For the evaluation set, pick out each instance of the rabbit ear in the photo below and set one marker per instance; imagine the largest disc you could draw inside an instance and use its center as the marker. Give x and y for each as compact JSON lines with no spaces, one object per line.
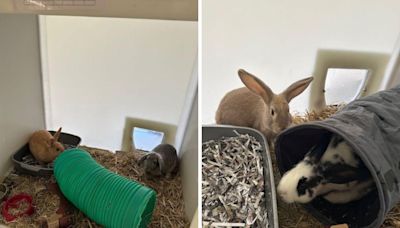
{"x":160,"y":163}
{"x":142,"y":159}
{"x":256,"y":85}
{"x":342,"y":173}
{"x":57,"y":134}
{"x":296,"y":88}
{"x":316,"y":152}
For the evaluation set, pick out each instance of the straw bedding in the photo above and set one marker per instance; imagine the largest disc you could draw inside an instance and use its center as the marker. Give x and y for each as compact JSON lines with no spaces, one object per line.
{"x":169,"y":211}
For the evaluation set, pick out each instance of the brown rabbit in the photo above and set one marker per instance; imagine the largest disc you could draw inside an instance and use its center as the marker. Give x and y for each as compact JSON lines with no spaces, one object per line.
{"x":45,"y":147}
{"x":162,"y":161}
{"x":256,"y":106}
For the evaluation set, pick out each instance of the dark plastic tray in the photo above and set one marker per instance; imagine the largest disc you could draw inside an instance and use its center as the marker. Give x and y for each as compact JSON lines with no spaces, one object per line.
{"x":69,"y":141}
{"x":214,"y":132}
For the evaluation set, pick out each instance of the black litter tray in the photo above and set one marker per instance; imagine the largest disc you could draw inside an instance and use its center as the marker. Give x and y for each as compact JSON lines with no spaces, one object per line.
{"x":69,"y":141}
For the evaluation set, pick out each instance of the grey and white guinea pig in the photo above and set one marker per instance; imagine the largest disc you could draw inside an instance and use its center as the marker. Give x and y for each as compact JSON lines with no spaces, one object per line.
{"x":328,"y":169}
{"x":162,"y":161}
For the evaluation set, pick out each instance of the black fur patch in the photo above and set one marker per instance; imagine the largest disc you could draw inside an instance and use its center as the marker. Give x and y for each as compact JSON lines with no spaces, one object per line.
{"x":314,"y":181}
{"x":305,"y":185}
{"x":342,"y":173}
{"x":317,"y":151}
{"x":310,"y":192}
{"x":302,"y":186}
{"x":336,"y":156}
{"x":336,"y":140}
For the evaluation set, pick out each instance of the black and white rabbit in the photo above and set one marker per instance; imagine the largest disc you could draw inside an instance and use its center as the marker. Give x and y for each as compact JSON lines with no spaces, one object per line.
{"x":330,"y":169}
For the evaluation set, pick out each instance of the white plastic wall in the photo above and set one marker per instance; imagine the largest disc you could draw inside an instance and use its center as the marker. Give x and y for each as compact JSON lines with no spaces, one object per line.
{"x":189,"y":163}
{"x":21,"y":102}
{"x":98,"y":71}
{"x":278,"y":40}
{"x":392,"y":74}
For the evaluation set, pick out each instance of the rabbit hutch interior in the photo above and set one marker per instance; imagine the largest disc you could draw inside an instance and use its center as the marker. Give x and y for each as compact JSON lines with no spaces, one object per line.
{"x":98,"y":113}
{"x":260,"y":108}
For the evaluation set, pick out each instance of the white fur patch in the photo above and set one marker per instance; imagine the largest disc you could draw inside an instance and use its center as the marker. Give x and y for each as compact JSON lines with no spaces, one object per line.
{"x":328,"y":187}
{"x":287,"y":187}
{"x":356,"y":192}
{"x":343,"y":151}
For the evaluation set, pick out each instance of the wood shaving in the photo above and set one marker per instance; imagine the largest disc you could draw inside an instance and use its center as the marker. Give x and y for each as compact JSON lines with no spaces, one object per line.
{"x":233,"y":182}
{"x":45,"y":203}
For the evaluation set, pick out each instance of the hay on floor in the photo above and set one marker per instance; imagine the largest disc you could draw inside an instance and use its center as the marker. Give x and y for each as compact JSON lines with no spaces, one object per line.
{"x":294,"y":215}
{"x":169,"y":211}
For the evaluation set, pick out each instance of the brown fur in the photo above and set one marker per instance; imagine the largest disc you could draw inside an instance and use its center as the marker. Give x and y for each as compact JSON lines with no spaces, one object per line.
{"x":45,"y":147}
{"x":252,"y":106}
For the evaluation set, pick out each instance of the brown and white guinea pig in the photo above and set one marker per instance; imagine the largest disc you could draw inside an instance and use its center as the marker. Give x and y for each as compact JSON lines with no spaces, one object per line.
{"x":256,"y":106}
{"x":45,"y":147}
{"x":331,"y":170}
{"x":161,"y":162}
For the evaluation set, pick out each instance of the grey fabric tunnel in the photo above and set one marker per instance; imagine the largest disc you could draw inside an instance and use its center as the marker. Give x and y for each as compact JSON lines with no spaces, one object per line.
{"x":371,"y":125}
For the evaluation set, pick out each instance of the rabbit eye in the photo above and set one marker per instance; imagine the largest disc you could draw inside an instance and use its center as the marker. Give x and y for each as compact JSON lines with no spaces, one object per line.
{"x":272,"y":112}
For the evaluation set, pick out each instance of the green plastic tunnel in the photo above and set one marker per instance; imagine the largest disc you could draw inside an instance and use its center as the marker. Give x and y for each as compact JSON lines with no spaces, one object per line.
{"x":105,"y":197}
